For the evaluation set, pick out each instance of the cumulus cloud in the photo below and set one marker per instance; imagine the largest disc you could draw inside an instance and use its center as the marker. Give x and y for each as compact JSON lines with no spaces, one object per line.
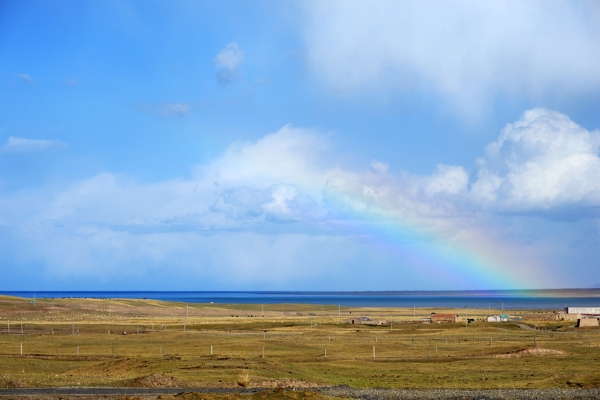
{"x":279,"y":204}
{"x":228,"y":61}
{"x":466,"y":52}
{"x":170,"y":110}
{"x":542,"y":161}
{"x":22,"y":145}
{"x":113,"y":223}
{"x":291,"y":155}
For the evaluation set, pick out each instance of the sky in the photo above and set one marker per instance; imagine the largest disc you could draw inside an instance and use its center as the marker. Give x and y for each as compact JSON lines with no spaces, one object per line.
{"x":302,"y":145}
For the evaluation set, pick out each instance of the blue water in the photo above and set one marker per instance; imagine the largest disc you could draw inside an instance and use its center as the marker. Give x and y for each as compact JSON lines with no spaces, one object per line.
{"x":509,"y":299}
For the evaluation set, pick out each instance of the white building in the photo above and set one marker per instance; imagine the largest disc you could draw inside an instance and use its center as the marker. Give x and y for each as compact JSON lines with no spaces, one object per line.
{"x":583,"y":310}
{"x":498,"y":318}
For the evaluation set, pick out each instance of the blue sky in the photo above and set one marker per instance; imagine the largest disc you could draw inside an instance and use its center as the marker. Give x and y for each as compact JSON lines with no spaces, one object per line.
{"x":342,"y":145}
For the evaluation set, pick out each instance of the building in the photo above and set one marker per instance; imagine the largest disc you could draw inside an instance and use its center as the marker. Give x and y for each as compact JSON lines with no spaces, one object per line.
{"x":583,"y":310}
{"x":436,"y":317}
{"x":498,"y":318}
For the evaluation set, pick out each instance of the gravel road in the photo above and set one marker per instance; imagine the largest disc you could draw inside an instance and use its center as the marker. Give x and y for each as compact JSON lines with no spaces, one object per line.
{"x":456,"y":394}
{"x":337,"y":391}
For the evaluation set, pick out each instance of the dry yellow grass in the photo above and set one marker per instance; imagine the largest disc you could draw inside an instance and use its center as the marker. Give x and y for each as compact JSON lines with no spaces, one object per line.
{"x":303,"y":347}
{"x":243,"y":379}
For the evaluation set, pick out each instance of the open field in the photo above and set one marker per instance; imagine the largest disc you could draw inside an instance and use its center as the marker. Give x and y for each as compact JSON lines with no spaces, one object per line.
{"x":80,"y":342}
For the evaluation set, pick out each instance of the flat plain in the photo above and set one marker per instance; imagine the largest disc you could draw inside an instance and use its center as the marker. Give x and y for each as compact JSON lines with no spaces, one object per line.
{"x":147,"y":343}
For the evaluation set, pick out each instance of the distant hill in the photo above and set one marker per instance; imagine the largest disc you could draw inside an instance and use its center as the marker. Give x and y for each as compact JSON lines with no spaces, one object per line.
{"x":596,"y":286}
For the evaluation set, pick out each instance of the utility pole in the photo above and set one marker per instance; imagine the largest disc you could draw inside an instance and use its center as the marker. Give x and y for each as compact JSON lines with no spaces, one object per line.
{"x":186,"y":317}
{"x":73,"y":326}
{"x":466,"y":317}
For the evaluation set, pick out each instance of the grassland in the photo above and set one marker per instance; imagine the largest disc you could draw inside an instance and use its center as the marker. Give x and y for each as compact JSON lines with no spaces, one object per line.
{"x":80,"y":342}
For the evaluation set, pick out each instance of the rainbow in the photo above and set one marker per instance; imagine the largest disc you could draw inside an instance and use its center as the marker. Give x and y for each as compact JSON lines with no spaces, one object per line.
{"x":454,"y":262}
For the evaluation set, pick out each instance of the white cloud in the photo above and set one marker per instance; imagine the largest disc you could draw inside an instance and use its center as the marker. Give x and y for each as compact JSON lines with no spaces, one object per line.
{"x":290,"y":155}
{"x":22,"y":145}
{"x":246,"y":171}
{"x":464,"y":51}
{"x":277,"y":203}
{"x":228,"y":61}
{"x":112,"y":223}
{"x":25,"y":78}
{"x":447,"y":179}
{"x":279,"y":207}
{"x":379,"y":167}
{"x":542,"y":161}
